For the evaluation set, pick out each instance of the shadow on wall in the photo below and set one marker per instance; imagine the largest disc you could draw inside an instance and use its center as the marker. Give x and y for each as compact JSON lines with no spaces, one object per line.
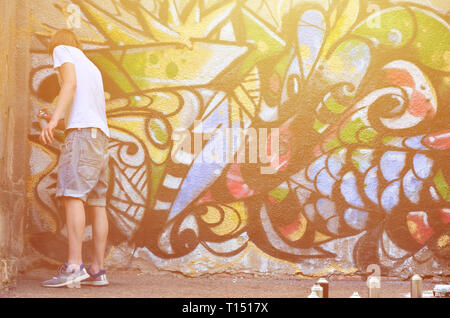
{"x":358,"y":91}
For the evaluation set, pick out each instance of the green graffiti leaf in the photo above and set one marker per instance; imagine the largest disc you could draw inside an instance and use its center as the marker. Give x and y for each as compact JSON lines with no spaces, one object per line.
{"x":442,"y":185}
{"x":279,"y":194}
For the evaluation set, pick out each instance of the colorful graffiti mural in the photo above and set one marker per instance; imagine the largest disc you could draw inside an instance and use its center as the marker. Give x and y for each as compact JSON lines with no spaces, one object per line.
{"x":359,"y":91}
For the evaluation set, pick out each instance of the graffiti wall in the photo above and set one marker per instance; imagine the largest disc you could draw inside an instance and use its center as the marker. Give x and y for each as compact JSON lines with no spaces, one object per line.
{"x":356,"y":94}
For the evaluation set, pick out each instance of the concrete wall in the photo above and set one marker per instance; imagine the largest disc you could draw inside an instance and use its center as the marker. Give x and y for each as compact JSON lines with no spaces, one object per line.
{"x":358,"y":91}
{"x":14,"y":157}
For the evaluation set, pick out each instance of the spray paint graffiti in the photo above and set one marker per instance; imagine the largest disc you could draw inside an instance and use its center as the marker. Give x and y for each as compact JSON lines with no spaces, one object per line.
{"x":358,"y":89}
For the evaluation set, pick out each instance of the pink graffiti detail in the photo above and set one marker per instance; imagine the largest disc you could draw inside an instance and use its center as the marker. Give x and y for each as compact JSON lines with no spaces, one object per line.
{"x":235,"y":183}
{"x":440,"y":140}
{"x":399,"y":77}
{"x":419,"y":104}
{"x":445,"y":214}
{"x":206,"y":198}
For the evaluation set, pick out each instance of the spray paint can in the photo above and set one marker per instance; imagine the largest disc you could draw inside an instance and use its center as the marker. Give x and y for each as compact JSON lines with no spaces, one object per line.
{"x":416,"y":286}
{"x":374,"y":287}
{"x":441,"y":291}
{"x":313,"y":295}
{"x":355,"y":295}
{"x":318,"y":290}
{"x":324,"y":284}
{"x":427,"y":294}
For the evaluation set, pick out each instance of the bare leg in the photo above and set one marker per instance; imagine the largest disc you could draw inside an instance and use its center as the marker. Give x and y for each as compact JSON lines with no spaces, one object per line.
{"x":75,"y":219}
{"x":100,"y":236}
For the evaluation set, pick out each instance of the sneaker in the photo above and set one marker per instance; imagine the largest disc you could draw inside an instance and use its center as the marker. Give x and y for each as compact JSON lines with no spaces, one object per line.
{"x":65,"y":278}
{"x":98,"y":279}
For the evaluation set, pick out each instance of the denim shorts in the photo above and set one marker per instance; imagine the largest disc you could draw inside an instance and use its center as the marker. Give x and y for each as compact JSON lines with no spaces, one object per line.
{"x":83,"y":169}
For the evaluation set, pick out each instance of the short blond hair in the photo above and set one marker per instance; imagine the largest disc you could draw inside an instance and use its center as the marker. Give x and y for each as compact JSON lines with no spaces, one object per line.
{"x":63,"y":37}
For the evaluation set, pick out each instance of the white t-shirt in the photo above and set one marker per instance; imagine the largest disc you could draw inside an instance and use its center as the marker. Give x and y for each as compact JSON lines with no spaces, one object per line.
{"x":88,"y":108}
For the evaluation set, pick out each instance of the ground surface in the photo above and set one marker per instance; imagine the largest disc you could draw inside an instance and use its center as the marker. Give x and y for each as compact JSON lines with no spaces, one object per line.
{"x":161,"y":284}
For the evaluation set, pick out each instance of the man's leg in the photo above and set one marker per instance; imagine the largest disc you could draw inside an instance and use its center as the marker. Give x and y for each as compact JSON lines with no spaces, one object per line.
{"x":71,"y":275}
{"x":100,"y":236}
{"x":75,"y":220}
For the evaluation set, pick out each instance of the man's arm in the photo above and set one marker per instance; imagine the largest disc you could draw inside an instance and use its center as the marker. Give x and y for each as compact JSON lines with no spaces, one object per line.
{"x":65,"y":99}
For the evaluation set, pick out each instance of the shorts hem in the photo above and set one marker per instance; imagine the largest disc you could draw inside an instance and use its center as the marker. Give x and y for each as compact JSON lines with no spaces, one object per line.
{"x":82,"y":197}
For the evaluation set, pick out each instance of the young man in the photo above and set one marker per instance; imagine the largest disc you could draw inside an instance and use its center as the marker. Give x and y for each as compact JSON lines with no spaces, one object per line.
{"x":83,"y":163}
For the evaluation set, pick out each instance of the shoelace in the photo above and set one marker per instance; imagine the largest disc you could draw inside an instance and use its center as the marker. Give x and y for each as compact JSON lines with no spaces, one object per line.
{"x":62,"y":269}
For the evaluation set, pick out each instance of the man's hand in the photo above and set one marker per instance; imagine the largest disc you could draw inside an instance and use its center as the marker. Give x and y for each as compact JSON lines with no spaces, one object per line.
{"x":47,"y":133}
{"x":47,"y":115}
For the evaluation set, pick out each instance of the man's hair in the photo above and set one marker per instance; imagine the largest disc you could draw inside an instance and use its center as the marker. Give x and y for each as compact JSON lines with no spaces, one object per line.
{"x":63,"y":37}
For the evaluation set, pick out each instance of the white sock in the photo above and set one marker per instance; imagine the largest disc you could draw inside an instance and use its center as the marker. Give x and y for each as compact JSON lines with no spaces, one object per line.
{"x":73,"y":267}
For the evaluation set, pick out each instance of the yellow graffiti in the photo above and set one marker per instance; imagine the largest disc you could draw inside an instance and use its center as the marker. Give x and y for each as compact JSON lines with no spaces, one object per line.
{"x":250,"y":246}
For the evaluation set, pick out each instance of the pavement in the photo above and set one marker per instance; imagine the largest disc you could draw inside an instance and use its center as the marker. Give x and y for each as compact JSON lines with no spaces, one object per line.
{"x":134,"y":283}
